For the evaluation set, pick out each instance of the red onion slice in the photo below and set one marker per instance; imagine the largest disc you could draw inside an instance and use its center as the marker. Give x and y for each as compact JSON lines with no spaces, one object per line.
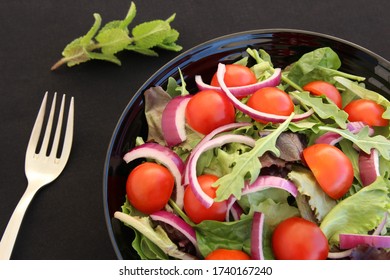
{"x":208,"y":137}
{"x":164,"y":156}
{"x":261,"y":183}
{"x":257,"y":236}
{"x":346,"y":253}
{"x":250,"y":111}
{"x":178,"y":223}
{"x":348,"y":241}
{"x":268,"y":181}
{"x":206,"y":200}
{"x":339,"y":255}
{"x":233,"y":208}
{"x":368,"y":167}
{"x":243,"y":91}
{"x":173,"y":120}
{"x":236,"y":211}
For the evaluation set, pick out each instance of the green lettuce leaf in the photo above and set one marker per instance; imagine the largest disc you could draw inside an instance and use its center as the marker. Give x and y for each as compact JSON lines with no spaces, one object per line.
{"x":358,"y":213}
{"x":250,"y":201}
{"x":156,"y":235}
{"x":307,"y":185}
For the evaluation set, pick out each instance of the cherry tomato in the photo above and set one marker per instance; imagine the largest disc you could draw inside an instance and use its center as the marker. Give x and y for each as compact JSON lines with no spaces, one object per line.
{"x":331,"y":168}
{"x":227,"y":254}
{"x":299,"y":239}
{"x":149,"y":187}
{"x":366,"y":111}
{"x":271,"y":100}
{"x":208,"y":110}
{"x":195,"y":209}
{"x":236,"y":75}
{"x":324,"y":88}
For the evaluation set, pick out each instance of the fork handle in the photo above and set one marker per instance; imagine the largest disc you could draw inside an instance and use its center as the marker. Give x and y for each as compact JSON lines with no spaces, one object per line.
{"x":11,"y":232}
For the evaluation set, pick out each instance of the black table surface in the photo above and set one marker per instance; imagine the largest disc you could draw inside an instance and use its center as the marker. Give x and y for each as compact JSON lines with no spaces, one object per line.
{"x":66,"y":219}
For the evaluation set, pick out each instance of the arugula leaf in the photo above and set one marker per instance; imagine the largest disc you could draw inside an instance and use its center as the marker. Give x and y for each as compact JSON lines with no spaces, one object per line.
{"x":358,"y":213}
{"x":365,"y":94}
{"x":247,"y":165}
{"x":363,"y":140}
{"x":322,"y":109}
{"x":114,"y":37}
{"x":263,"y":68}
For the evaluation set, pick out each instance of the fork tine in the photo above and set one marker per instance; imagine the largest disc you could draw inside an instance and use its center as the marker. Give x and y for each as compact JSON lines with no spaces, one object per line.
{"x":68,"y":133}
{"x":57,"y":134}
{"x":49,"y":124}
{"x":36,"y":131}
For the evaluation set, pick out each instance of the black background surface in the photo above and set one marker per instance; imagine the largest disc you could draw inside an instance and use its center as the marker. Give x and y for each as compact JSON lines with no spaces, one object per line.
{"x":66,"y":219}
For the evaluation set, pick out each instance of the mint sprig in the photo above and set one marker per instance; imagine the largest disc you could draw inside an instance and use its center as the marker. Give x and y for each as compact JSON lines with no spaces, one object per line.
{"x":104,"y":43}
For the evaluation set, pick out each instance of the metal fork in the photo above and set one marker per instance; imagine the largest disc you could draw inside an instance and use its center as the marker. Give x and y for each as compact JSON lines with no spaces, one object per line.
{"x":41,"y":167}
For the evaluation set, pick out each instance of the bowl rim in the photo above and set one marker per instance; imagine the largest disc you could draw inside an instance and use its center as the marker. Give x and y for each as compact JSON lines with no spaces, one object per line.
{"x":379,"y":58}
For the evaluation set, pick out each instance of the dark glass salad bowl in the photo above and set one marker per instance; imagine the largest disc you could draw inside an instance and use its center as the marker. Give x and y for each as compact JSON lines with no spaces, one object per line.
{"x":284,"y":46}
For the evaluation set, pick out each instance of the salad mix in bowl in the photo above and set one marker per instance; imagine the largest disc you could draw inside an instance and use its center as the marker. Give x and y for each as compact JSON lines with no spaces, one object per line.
{"x":262,"y":163}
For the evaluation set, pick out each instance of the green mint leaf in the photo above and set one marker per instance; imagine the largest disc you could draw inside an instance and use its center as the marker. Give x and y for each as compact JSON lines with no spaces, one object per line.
{"x":106,"y":57}
{"x":148,"y":52}
{"x":363,"y":140}
{"x":129,"y":17}
{"x":149,"y":34}
{"x":323,"y":110}
{"x":248,"y":165}
{"x":171,"y":18}
{"x":113,"y":40}
{"x":77,"y":51}
{"x":169,"y":42}
{"x":87,"y":38}
{"x":74,"y":53}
